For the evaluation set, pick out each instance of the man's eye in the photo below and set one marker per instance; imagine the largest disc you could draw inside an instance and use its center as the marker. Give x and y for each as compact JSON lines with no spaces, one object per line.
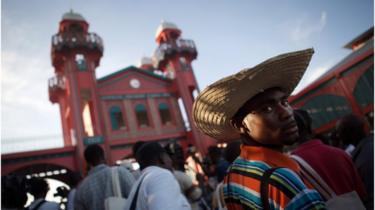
{"x":285,"y":102}
{"x":267,"y":109}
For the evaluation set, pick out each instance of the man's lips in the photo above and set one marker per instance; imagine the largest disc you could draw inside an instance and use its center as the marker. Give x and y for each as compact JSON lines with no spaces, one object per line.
{"x":290,"y":128}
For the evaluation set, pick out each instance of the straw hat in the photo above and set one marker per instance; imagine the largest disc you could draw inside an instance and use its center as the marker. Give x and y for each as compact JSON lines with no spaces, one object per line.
{"x":218,"y":103}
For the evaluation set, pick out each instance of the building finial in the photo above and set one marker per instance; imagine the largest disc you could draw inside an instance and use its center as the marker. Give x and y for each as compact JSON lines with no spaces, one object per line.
{"x":71,"y":6}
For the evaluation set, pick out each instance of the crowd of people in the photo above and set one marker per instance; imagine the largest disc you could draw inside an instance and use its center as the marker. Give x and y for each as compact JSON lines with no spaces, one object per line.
{"x":276,"y":161}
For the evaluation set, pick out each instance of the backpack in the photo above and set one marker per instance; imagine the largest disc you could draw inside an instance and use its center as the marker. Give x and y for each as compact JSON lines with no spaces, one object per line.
{"x":116,"y":202}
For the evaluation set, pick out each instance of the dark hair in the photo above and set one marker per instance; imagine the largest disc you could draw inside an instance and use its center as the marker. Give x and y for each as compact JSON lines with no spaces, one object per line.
{"x":175,"y":151}
{"x":215,"y":153}
{"x":350,"y":129}
{"x":38,"y":187}
{"x":149,"y":154}
{"x":13,"y":191}
{"x":232,"y":151}
{"x":136,"y":146}
{"x":74,"y":178}
{"x":94,"y":154}
{"x":303,"y":121}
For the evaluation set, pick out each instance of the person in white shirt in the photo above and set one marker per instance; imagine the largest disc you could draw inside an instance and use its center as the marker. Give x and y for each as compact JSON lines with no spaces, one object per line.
{"x":157,"y":188}
{"x":39,"y":187}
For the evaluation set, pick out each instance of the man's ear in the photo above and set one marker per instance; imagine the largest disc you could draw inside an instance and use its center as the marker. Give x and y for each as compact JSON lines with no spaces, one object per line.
{"x":239,"y":126}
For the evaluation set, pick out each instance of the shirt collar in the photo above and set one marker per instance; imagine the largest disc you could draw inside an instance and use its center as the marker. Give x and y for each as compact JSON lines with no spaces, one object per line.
{"x":269,"y":156}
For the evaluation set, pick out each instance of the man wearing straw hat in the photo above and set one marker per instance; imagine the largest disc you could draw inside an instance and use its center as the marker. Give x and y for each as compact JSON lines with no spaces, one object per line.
{"x":252,"y":105}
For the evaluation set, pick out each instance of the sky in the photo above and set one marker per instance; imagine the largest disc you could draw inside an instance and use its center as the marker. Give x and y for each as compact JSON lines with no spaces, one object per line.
{"x":229,"y":35}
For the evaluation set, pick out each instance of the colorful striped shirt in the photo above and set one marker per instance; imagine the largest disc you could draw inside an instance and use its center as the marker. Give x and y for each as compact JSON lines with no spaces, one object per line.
{"x":285,"y":191}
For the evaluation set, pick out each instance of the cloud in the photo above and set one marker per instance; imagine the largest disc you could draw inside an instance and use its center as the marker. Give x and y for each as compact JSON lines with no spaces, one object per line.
{"x":25,"y":70}
{"x":24,"y":80}
{"x":303,"y":29}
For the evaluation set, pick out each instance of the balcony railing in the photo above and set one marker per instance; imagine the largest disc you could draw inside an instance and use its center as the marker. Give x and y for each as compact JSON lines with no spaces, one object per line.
{"x":90,"y":40}
{"x":57,"y":82}
{"x":56,"y":85}
{"x":181,"y":46}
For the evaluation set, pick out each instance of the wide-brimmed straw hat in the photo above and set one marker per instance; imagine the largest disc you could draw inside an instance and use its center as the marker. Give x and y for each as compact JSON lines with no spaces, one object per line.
{"x":215,"y":106}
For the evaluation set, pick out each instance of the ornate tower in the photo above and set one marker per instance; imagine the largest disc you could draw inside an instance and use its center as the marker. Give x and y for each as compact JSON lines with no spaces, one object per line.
{"x":75,"y":55}
{"x":174,"y":56}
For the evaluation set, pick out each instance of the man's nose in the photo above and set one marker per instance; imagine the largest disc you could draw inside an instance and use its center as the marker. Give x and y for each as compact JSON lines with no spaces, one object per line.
{"x":284,"y":111}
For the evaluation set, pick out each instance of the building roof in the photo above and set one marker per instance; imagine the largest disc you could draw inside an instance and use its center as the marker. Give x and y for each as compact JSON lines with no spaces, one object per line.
{"x":367,"y":46}
{"x":73,"y":16}
{"x":365,"y":36}
{"x":132,"y":68}
{"x":165,"y":25}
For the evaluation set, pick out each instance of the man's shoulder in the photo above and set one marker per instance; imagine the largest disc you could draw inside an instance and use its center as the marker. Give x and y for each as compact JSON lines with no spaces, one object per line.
{"x":282,"y":177}
{"x":155,"y":172}
{"x":51,"y":205}
{"x":318,"y":148}
{"x":335,"y":152}
{"x":123,"y":170}
{"x":259,"y":167}
{"x":91,"y":178}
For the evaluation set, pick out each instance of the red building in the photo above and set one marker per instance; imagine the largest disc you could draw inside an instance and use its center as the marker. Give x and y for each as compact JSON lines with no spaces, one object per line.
{"x":144,"y":103}
{"x":348,"y":87}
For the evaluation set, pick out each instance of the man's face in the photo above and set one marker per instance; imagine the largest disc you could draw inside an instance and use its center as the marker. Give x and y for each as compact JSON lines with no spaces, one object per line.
{"x":269,"y":119}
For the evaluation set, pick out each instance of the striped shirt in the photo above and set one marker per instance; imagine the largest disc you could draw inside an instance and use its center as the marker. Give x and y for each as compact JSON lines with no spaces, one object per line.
{"x":286,"y":190}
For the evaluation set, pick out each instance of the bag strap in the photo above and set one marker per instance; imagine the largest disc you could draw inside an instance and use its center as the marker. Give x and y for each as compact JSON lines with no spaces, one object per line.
{"x":219,"y":195}
{"x":115,"y":182}
{"x":134,"y":201}
{"x":264,"y":187}
{"x":314,"y":178}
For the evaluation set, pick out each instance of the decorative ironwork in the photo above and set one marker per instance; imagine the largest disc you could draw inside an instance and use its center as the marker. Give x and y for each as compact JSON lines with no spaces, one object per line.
{"x":57,"y":82}
{"x":89,"y":40}
{"x":168,"y":49}
{"x":56,"y":85}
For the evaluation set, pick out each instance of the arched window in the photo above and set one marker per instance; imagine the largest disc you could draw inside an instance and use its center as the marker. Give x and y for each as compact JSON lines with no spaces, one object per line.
{"x":165,"y":114}
{"x":141,"y":113}
{"x":117,"y":121}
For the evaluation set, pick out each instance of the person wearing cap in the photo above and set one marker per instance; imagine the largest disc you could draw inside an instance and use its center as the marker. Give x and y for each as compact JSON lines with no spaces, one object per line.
{"x":252,"y":105}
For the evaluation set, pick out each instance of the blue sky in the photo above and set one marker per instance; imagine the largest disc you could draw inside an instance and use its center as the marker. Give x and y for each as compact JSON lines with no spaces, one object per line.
{"x":229,"y":35}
